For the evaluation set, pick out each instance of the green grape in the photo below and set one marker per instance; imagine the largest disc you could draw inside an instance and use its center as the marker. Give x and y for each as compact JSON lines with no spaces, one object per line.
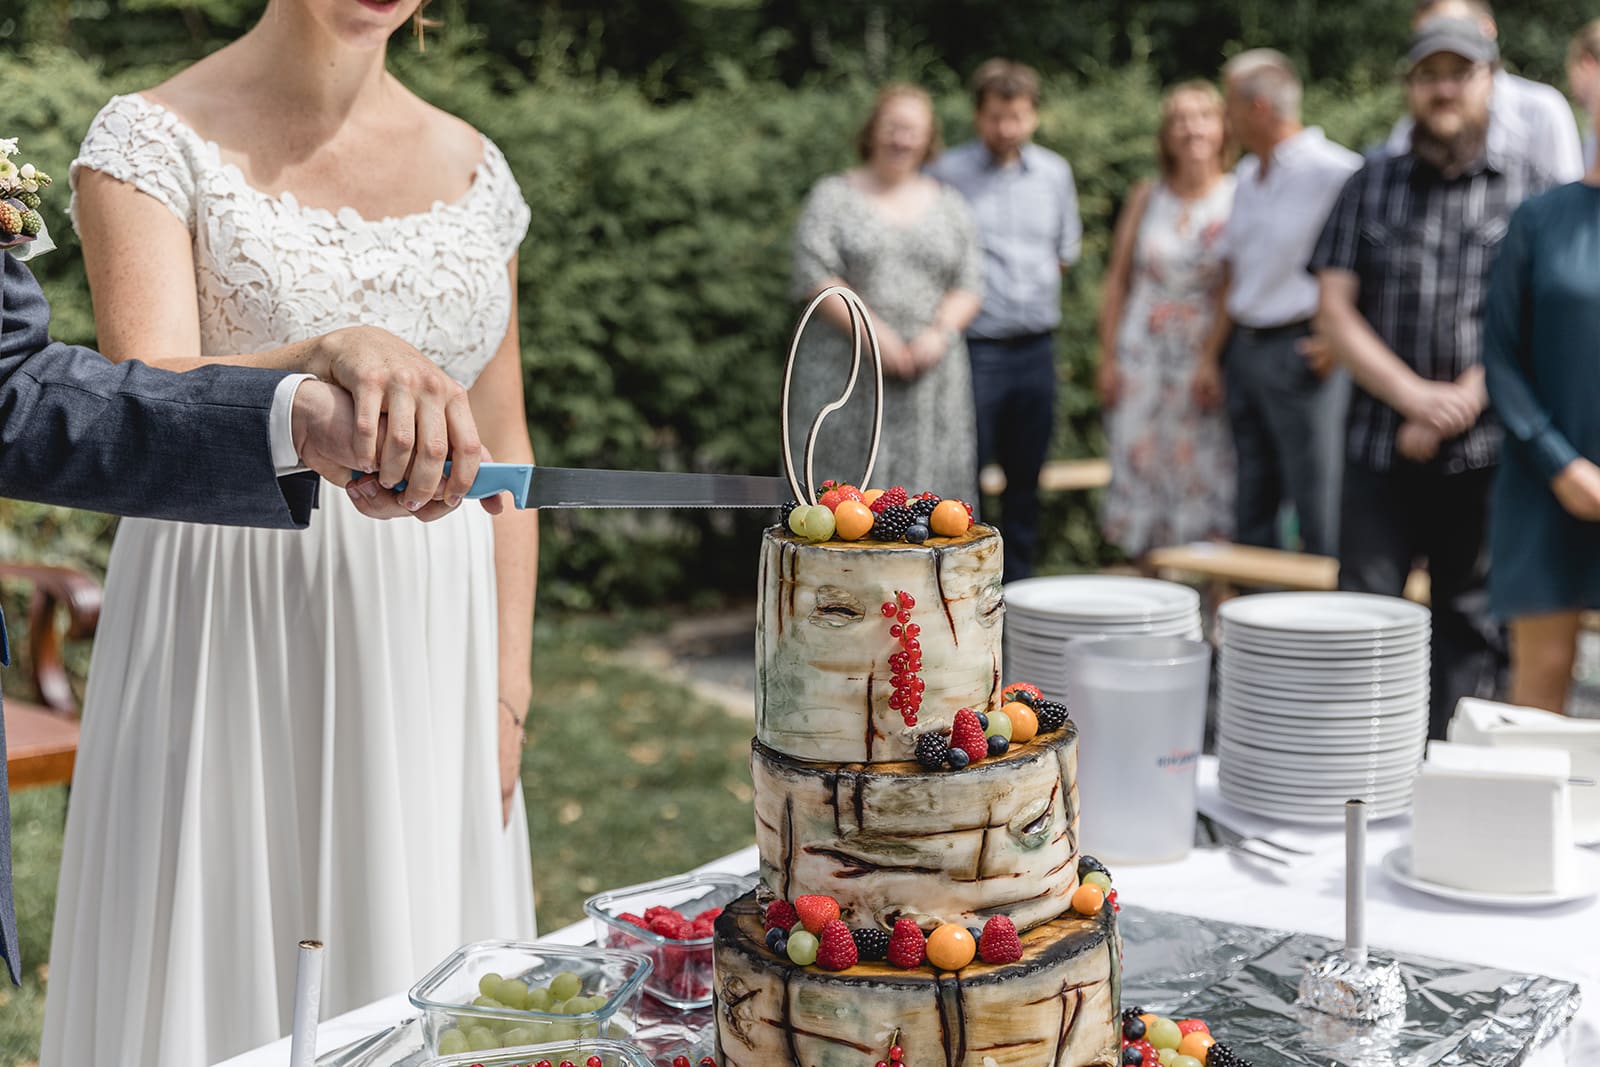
{"x":539,"y":999}
{"x":488,"y":984}
{"x":1095,"y":878}
{"x":516,"y":1036}
{"x":451,"y":1042}
{"x":513,"y":994}
{"x":1164,"y":1033}
{"x":1166,"y":1055}
{"x":588,"y":1029}
{"x":803,"y":948}
{"x":797,"y":520}
{"x":1186,"y":1061}
{"x":481,"y":1039}
{"x":486,"y":1002}
{"x":999,"y":725}
{"x":567,"y":985}
{"x":818,"y":523}
{"x":563,"y":1031}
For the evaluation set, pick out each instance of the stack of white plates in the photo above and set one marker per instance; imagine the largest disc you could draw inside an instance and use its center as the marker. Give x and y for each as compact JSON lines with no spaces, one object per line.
{"x":1044,"y":614}
{"x":1322,"y":697}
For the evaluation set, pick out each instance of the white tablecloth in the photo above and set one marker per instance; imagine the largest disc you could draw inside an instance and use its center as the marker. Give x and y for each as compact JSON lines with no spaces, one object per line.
{"x":1563,"y":941}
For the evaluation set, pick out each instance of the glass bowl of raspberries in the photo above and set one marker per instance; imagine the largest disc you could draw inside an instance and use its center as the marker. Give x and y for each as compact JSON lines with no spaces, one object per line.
{"x":668,"y":921}
{"x":597,"y":1052}
{"x":494,"y":995}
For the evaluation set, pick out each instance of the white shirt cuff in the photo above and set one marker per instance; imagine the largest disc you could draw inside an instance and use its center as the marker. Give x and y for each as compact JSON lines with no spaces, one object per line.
{"x":280,"y":423}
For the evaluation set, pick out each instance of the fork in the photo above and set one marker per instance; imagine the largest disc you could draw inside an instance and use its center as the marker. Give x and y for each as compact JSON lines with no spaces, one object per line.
{"x":1252,"y":845}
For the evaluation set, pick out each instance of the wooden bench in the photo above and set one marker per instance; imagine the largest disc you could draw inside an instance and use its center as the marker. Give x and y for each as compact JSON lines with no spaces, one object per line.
{"x":42,"y":738}
{"x":1227,"y":568}
{"x":1059,"y":475}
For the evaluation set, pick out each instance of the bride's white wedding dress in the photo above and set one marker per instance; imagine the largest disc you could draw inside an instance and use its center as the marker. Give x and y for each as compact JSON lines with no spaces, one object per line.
{"x":289,"y":734}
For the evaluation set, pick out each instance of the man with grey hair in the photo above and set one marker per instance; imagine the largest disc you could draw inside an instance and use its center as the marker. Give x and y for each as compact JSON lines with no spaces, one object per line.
{"x":1285,"y":411}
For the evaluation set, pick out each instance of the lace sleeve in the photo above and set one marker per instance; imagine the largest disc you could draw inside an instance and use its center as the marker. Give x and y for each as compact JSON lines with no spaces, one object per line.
{"x":139,"y":143}
{"x":511,"y":212}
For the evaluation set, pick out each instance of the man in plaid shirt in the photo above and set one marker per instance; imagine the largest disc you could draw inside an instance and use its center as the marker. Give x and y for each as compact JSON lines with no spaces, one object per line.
{"x":1403,"y":267}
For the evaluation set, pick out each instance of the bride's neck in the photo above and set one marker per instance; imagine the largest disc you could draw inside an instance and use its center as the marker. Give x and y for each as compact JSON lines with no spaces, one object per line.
{"x":310,"y":71}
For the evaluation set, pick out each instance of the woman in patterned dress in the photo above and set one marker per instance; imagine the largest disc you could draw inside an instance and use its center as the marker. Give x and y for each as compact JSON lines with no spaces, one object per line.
{"x":908,"y":247}
{"x":1171,"y":456}
{"x":295,"y":734}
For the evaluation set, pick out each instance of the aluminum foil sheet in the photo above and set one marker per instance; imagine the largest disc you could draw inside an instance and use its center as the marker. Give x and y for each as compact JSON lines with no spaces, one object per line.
{"x":1243,"y":981}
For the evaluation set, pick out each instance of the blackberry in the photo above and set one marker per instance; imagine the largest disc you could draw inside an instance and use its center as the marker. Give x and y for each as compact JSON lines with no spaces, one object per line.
{"x":788,"y":509}
{"x":1220,"y":1055}
{"x":923,"y":506}
{"x":872,"y":944}
{"x":891,"y":524}
{"x":932,"y":748}
{"x":1087,"y":863}
{"x":1127,"y":1013}
{"x":1052,"y":715}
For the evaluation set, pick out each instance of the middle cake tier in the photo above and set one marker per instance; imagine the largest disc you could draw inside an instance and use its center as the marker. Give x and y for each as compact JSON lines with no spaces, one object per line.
{"x":895,"y":840}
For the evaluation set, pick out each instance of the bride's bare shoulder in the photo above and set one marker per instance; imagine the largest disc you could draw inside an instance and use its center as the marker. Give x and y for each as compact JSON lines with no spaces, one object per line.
{"x":448,"y":136}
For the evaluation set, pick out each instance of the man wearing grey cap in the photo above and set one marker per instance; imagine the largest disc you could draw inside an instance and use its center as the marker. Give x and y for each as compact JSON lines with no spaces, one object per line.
{"x":1403,"y":267}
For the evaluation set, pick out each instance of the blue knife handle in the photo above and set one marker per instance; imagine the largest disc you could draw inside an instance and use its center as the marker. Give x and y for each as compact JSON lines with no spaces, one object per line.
{"x":513,"y":478}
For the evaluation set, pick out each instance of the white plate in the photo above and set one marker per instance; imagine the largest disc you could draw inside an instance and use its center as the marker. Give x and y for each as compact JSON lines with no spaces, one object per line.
{"x":1319,"y":698}
{"x":1343,"y":614}
{"x":1362,"y":745}
{"x":1313,"y":722}
{"x":1254,"y":746}
{"x":1404,"y":675}
{"x":1332,"y":669}
{"x":1320,"y":815}
{"x":1585,"y":883}
{"x":1100,"y":596}
{"x":1314,"y":648}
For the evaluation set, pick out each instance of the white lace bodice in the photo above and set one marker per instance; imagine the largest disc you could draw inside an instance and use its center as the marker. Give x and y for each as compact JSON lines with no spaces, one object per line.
{"x":270,"y":271}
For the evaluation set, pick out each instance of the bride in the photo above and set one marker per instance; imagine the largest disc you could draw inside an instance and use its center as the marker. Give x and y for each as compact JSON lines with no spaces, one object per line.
{"x":295,"y":735}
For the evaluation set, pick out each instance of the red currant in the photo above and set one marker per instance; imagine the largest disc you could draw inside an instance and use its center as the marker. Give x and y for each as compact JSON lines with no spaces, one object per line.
{"x":594,"y":1061}
{"x":894,"y":631}
{"x":568,"y":1063}
{"x":906,"y":601}
{"x":889,"y":609}
{"x":904,"y":617}
{"x":680,"y":1061}
{"x":542,"y":1063}
{"x":912,"y":630}
{"x":913,"y":646}
{"x":896,"y":1053}
{"x":881,"y":1063}
{"x":894,"y":700}
{"x":707,"y":1061}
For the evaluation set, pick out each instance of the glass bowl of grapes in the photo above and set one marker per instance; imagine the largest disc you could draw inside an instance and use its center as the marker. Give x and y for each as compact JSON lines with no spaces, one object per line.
{"x":670,"y":921}
{"x":587,"y":1052}
{"x":506,"y":994}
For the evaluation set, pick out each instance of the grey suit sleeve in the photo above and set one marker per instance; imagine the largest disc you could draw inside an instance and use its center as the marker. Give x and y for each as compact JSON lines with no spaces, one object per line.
{"x":81,"y":431}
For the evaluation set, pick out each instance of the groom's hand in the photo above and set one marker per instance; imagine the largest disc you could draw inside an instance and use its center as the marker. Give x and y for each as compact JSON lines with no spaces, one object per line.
{"x":408,"y":416}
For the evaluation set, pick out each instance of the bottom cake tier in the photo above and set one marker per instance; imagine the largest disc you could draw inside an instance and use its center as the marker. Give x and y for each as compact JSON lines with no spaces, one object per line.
{"x":1056,"y":1006}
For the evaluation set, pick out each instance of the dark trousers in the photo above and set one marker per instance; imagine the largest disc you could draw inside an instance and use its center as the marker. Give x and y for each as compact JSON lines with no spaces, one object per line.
{"x":1288,"y":435}
{"x":1014,"y":389}
{"x":1389,"y":520}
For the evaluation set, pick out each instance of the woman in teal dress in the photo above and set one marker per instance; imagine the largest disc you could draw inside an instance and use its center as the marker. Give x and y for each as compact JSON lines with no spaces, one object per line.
{"x":1542,"y":358}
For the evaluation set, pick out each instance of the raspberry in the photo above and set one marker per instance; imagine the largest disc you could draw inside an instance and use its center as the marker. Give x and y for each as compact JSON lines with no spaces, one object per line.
{"x":1052,"y":715}
{"x":709,"y":915}
{"x":636,"y":920}
{"x":816,"y":911}
{"x":907,"y":946}
{"x":967,"y":735}
{"x":932,"y":748}
{"x":999,"y":942}
{"x":892,"y":523}
{"x":923,"y":506}
{"x":781,"y":915}
{"x":892,"y":497}
{"x":838,"y":949}
{"x":871,"y":943}
{"x":1220,"y":1055}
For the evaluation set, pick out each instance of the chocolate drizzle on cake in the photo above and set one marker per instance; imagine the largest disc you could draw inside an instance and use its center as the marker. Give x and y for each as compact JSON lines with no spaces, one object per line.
{"x":872,"y":728}
{"x":788,"y":846}
{"x":944,"y":601}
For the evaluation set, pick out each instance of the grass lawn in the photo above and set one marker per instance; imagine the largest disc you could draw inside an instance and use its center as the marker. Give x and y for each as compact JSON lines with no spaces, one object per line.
{"x":627,"y":778}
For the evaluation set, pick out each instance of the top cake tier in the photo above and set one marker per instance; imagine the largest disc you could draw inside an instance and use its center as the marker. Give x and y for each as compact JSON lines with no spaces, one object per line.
{"x":824,"y":678}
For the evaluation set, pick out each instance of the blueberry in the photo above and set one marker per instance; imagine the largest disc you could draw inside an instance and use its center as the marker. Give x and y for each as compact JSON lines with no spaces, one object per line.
{"x":983,"y":721}
{"x":782,"y":947}
{"x":1087,"y":863}
{"x":1132,"y":1057}
{"x":917,"y":533}
{"x":958,"y":758}
{"x":775,"y":937}
{"x":1133,"y":1028}
{"x":997,"y":745}
{"x":1022,"y":696}
{"x":976,"y":932}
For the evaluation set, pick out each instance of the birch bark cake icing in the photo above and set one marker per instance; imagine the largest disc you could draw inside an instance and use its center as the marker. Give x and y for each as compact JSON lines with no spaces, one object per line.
{"x":917,"y":823}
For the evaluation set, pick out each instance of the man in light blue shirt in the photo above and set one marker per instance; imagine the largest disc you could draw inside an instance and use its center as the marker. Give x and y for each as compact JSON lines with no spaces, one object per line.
{"x":1026,"y":208}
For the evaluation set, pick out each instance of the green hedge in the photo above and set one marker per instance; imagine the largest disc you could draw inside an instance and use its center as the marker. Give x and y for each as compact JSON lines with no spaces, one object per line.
{"x":654,"y":310}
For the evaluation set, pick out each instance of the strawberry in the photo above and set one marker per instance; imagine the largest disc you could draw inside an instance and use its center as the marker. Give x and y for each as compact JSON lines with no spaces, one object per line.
{"x":636,"y":920}
{"x":850,"y":492}
{"x":967,"y":735}
{"x":838,"y":948}
{"x":1009,"y":693}
{"x":893,"y":497}
{"x":999,"y":942}
{"x":831,"y":499}
{"x":816,"y":911}
{"x":709,"y":915}
{"x":1189,"y":1026}
{"x":780,"y":913}
{"x":907,"y":946}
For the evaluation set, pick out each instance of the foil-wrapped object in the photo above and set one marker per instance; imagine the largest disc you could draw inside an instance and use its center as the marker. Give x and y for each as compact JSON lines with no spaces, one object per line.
{"x":1364,"y":989}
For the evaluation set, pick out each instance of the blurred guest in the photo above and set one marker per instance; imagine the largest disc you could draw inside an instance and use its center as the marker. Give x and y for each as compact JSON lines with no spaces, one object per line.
{"x":1540,"y":326}
{"x":1403,"y":265}
{"x":1583,"y":79}
{"x":1171,"y":460}
{"x":1027,"y":215}
{"x":1535,"y":120}
{"x":906,"y":245}
{"x":1286,"y":411}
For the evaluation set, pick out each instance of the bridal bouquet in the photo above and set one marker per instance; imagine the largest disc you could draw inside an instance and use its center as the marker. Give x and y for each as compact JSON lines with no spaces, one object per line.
{"x":21,"y":226}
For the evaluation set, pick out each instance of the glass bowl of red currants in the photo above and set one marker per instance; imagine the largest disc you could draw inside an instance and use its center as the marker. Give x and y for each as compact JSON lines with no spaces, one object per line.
{"x":597,"y":1052}
{"x":506,"y":994}
{"x":670,"y":921}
